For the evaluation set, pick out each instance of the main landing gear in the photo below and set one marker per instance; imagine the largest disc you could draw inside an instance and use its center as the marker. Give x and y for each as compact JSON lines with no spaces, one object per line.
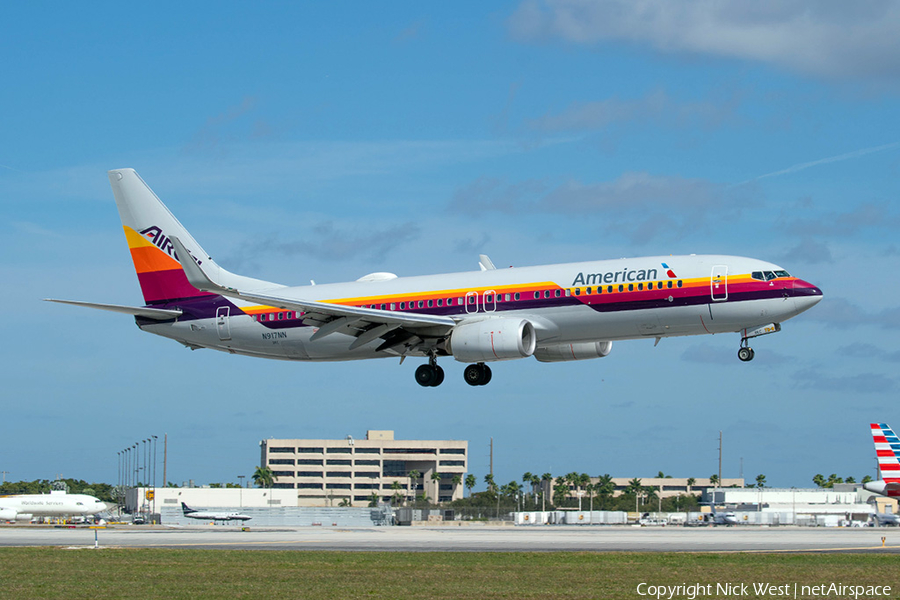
{"x":431,"y":375}
{"x":477,"y":374}
{"x":745,"y":352}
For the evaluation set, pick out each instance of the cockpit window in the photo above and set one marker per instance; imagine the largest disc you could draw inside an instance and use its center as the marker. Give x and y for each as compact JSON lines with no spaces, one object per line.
{"x":758,"y":275}
{"x":782,"y":274}
{"x":770,"y":275}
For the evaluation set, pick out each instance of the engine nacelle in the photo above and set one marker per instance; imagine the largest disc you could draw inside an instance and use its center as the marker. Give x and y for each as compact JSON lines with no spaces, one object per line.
{"x":579,"y":351}
{"x":493,"y":339}
{"x":8,"y":514}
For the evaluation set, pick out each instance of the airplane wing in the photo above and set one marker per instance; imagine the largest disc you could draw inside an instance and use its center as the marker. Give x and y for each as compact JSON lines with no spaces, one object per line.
{"x":366,"y":324}
{"x":159,"y":314}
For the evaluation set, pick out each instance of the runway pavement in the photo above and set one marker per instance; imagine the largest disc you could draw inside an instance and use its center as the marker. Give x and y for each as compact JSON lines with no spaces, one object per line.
{"x":467,"y":539}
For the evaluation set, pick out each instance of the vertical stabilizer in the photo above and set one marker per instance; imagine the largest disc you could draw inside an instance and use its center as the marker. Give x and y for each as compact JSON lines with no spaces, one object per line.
{"x":148,"y":226}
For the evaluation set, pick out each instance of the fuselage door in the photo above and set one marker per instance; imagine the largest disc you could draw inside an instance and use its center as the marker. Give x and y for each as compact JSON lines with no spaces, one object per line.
{"x":472,"y":302}
{"x":718,"y":283}
{"x":489,"y":301}
{"x":222,"y":324}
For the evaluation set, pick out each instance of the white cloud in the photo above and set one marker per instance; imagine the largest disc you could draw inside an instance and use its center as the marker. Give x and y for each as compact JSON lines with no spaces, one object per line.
{"x":831,"y":39}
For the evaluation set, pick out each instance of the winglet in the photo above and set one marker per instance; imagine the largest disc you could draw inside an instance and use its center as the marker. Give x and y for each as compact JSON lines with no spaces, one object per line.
{"x":194,"y":273}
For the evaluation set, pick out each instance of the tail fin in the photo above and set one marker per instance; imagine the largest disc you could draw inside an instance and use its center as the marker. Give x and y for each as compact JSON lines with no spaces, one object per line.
{"x":149,"y":227}
{"x":887,"y":448}
{"x":186,"y":509}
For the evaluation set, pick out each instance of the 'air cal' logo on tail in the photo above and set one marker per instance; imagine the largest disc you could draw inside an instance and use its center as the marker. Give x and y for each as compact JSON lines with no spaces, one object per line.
{"x":161,"y":241}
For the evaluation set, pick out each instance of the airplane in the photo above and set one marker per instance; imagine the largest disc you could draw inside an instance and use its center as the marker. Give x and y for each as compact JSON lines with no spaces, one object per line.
{"x":887,"y":449}
{"x":886,"y":519}
{"x":22,"y":507}
{"x":553,"y":313}
{"x":191,"y":513}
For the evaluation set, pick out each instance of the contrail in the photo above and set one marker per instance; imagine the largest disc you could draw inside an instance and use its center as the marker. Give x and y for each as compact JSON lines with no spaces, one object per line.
{"x":822,"y":161}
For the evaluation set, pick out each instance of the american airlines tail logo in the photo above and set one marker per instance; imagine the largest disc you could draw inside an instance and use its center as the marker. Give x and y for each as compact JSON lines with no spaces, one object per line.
{"x":162,"y":241}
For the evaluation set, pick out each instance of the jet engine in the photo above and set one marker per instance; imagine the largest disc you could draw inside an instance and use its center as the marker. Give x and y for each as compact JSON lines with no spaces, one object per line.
{"x":579,"y":351}
{"x":493,"y":339}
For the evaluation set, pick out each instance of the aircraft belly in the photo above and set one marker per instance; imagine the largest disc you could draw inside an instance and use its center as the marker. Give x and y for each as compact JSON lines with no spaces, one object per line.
{"x":732,"y":316}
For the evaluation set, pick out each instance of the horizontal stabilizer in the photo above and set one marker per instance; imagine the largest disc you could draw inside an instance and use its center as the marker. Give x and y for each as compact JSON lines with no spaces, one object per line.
{"x":160,"y":314}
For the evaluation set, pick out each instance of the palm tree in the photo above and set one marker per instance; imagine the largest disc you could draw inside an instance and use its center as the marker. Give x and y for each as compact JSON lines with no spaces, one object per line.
{"x":605,"y":486}
{"x":546,"y":478}
{"x":690,"y":483}
{"x":263,"y":477}
{"x":760,"y":481}
{"x":866,"y":479}
{"x":413,"y":479}
{"x":850,"y":479}
{"x":489,"y":480}
{"x":396,"y":486}
{"x":457,"y":480}
{"x":819,"y":480}
{"x":634,"y":486}
{"x":373,"y":500}
{"x":471,"y":482}
{"x":714,"y":480}
{"x":436,"y":478}
{"x":526,"y":478}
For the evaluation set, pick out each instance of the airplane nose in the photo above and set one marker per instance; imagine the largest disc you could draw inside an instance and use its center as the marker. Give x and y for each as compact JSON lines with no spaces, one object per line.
{"x":805,"y":294}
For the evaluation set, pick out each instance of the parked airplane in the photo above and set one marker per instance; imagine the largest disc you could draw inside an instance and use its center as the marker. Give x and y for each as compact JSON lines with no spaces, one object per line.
{"x":191,"y":513}
{"x":23,"y":507}
{"x":554,"y":313}
{"x":887,"y":449}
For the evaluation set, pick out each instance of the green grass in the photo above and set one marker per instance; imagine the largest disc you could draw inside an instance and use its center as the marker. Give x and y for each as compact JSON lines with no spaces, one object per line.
{"x":172,"y":574}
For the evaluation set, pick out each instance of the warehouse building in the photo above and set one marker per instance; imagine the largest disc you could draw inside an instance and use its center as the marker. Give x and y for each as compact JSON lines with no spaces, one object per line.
{"x":354,"y":472}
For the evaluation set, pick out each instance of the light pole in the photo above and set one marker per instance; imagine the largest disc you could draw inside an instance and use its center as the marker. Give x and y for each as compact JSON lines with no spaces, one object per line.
{"x":241,"y":493}
{"x":154,"y":438}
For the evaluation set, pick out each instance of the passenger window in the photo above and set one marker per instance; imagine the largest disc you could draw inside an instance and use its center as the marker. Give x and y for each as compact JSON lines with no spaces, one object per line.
{"x":568,"y":292}
{"x":506,"y":297}
{"x":517,"y":296}
{"x":557,"y":293}
{"x":609,"y":289}
{"x":421,"y":303}
{"x":640,"y":287}
{"x":588,"y":290}
{"x":537,"y":295}
{"x":621,"y":288}
{"x":577,"y":291}
{"x":393,"y":306}
{"x":430,"y":303}
{"x":669,"y":284}
{"x":402,"y":305}
{"x":679,"y":283}
{"x":630,"y":287}
{"x":488,"y":298}
{"x":440,"y":301}
{"x":546,"y":293}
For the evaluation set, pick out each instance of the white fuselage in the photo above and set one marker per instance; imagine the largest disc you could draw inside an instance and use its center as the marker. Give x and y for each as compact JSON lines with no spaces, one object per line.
{"x":567,"y":303}
{"x":54,"y":504}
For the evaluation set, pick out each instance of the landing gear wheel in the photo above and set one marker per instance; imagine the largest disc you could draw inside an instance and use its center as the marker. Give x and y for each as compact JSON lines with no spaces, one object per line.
{"x":429,"y":375}
{"x":477,"y":374}
{"x":746,"y":354}
{"x":438,"y":376}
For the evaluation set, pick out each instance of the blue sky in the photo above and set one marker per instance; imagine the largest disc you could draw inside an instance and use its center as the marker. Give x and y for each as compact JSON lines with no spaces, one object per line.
{"x":326,"y":141}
